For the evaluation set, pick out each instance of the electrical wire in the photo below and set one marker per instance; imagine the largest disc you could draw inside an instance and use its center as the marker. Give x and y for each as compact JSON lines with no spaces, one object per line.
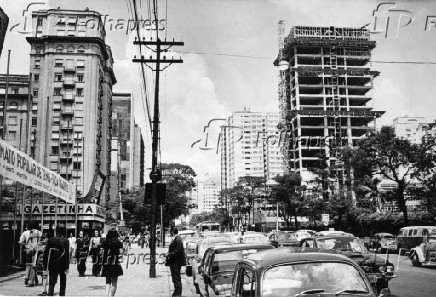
{"x":271,"y":59}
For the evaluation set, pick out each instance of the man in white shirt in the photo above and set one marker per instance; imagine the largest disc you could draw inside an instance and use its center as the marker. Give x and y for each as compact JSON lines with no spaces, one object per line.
{"x":72,"y":241}
{"x":30,"y":239}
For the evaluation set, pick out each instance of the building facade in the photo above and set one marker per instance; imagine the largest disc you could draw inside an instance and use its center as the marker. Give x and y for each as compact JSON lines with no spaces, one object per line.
{"x":324,"y":96}
{"x":208,"y":194}
{"x":72,"y":77}
{"x":409,"y":127}
{"x":18,"y":109}
{"x":250,"y":146}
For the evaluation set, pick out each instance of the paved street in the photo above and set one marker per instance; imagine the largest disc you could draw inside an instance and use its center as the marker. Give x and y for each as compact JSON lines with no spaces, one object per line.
{"x":412,"y":281}
{"x":134,"y":282}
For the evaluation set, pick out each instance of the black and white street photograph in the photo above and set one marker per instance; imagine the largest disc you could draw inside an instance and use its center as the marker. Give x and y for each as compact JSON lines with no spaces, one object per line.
{"x":218,"y":148}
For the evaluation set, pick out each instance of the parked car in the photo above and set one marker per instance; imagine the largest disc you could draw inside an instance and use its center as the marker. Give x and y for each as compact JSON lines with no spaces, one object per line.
{"x":300,"y":234}
{"x":425,"y":253}
{"x":373,"y":265}
{"x":332,"y":233}
{"x":294,"y":272}
{"x":253,"y":238}
{"x":384,"y":242}
{"x":202,"y":246}
{"x":413,"y":236}
{"x":190,"y":245}
{"x":280,"y":239}
{"x":218,"y":265}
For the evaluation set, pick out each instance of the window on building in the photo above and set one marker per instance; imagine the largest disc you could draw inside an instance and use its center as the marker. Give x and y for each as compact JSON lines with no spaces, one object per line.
{"x":79,"y":92}
{"x":61,"y":20}
{"x":79,"y":105}
{"x":56,"y":121}
{"x":80,"y":77}
{"x":71,"y":32}
{"x":59,"y":63}
{"x":60,"y":48}
{"x":13,"y":105}
{"x":35,"y":92}
{"x":12,"y":135}
{"x":34,"y":106}
{"x":39,"y":22}
{"x":77,"y":165}
{"x":79,"y":121}
{"x":81,"y":63}
{"x":55,"y":134}
{"x":70,"y":49}
{"x":58,"y":77}
{"x":57,"y":92}
{"x":55,"y":150}
{"x":56,"y":106}
{"x":80,"y":49}
{"x":36,"y":78}
{"x":13,"y":121}
{"x":37,"y":64}
{"x":34,"y":121}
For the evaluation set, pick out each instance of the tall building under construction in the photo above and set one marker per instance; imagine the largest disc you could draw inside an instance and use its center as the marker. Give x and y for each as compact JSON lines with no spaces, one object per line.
{"x":325,"y":94}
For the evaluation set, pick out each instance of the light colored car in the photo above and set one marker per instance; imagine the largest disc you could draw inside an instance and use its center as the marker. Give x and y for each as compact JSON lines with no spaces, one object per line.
{"x":202,"y":246}
{"x":254,"y":238}
{"x":425,"y":253}
{"x":332,"y":233}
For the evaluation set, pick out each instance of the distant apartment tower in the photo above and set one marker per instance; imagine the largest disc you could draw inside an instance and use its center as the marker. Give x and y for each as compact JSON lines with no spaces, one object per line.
{"x":4,"y":21}
{"x":250,"y":147}
{"x":324,"y":95}
{"x":409,"y":127}
{"x":72,"y":72}
{"x":18,"y":109}
{"x":208,"y":194}
{"x":130,"y":141}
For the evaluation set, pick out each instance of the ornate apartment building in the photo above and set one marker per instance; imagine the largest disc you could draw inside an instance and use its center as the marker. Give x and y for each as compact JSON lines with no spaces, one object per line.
{"x":72,"y":78}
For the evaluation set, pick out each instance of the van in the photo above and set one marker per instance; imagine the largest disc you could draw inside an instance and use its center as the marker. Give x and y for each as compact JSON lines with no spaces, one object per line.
{"x":413,"y":236}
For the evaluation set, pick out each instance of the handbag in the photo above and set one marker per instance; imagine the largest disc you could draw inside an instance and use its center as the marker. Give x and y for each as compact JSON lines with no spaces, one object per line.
{"x":167,"y":260}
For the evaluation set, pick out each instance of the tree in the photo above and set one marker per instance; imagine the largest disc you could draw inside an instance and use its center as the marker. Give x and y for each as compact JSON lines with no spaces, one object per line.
{"x":383,"y":153}
{"x":179,"y":181}
{"x":288,"y":193}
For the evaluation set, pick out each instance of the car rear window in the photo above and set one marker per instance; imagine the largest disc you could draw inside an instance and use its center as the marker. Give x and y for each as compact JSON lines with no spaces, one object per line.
{"x":227,"y":261}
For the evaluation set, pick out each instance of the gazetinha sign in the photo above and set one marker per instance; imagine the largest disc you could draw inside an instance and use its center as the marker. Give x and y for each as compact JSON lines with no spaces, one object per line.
{"x":19,"y":167}
{"x":61,"y":209}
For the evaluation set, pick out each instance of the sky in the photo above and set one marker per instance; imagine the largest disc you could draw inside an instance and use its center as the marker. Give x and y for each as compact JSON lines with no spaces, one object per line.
{"x":230,"y":46}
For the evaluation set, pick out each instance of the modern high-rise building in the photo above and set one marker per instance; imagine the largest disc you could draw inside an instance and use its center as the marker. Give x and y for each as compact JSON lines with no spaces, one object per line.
{"x":208,"y":192}
{"x":409,"y":127}
{"x":130,"y":141}
{"x":18,"y":109}
{"x":250,"y":146}
{"x":325,"y":94}
{"x":72,"y":77}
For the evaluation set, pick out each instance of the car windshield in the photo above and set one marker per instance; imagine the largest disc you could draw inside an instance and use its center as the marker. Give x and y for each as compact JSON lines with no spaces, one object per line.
{"x":286,"y":236}
{"x":342,"y":244}
{"x":227,"y":261}
{"x":293,"y":279}
{"x":255,"y":239}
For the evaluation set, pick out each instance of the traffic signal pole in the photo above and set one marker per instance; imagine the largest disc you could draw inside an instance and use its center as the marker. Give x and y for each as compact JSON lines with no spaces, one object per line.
{"x":155,"y":174}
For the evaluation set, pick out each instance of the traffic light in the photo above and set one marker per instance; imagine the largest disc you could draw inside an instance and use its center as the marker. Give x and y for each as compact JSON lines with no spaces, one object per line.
{"x":160,"y":195}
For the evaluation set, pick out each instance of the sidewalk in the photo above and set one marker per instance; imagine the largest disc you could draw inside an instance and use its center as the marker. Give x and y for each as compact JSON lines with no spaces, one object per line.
{"x":134,"y":281}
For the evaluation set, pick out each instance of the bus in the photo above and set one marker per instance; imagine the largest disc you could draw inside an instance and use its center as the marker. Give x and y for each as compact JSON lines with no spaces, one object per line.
{"x":207,"y":226}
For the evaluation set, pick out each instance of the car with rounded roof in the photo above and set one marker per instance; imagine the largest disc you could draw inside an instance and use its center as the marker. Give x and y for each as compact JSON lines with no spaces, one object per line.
{"x":300,"y":272}
{"x":201,"y":248}
{"x":374,"y":265}
{"x":252,"y":238}
{"x":331,"y":233}
{"x":425,"y":253}
{"x":385,"y":242}
{"x":218,"y":265}
{"x":280,"y":239}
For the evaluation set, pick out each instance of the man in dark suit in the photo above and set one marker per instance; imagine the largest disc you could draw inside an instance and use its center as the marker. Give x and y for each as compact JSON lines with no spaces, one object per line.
{"x":56,"y":261}
{"x":176,"y":259}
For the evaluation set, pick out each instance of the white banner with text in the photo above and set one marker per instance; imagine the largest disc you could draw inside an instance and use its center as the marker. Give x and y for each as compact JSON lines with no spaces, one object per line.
{"x":19,"y":167}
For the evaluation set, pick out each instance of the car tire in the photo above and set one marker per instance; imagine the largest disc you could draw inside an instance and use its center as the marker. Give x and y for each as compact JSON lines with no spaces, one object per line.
{"x":381,"y":285}
{"x":189,"y":271}
{"x":415,"y":261}
{"x":401,"y":251}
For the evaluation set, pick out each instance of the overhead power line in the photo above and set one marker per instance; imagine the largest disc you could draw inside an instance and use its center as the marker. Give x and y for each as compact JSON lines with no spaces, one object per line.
{"x":271,"y":59}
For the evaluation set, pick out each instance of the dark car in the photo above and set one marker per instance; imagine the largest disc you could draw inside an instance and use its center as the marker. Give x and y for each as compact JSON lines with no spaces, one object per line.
{"x":280,"y":239}
{"x":383,"y":242}
{"x":301,"y":272}
{"x":218,"y":266}
{"x":353,"y":248}
{"x":201,"y":248}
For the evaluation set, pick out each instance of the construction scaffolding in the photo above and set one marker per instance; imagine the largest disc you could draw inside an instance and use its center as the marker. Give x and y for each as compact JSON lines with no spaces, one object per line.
{"x":325,"y":100}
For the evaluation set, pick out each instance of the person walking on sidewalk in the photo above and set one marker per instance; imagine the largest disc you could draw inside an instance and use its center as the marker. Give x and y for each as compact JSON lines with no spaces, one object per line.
{"x":30,"y":238}
{"x":82,"y":244}
{"x":176,"y":259}
{"x":72,"y":240}
{"x":112,"y":257}
{"x":94,"y":252}
{"x":56,"y":261}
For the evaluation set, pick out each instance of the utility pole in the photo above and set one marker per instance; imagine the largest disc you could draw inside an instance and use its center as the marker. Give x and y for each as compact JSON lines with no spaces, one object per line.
{"x":156,"y":174}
